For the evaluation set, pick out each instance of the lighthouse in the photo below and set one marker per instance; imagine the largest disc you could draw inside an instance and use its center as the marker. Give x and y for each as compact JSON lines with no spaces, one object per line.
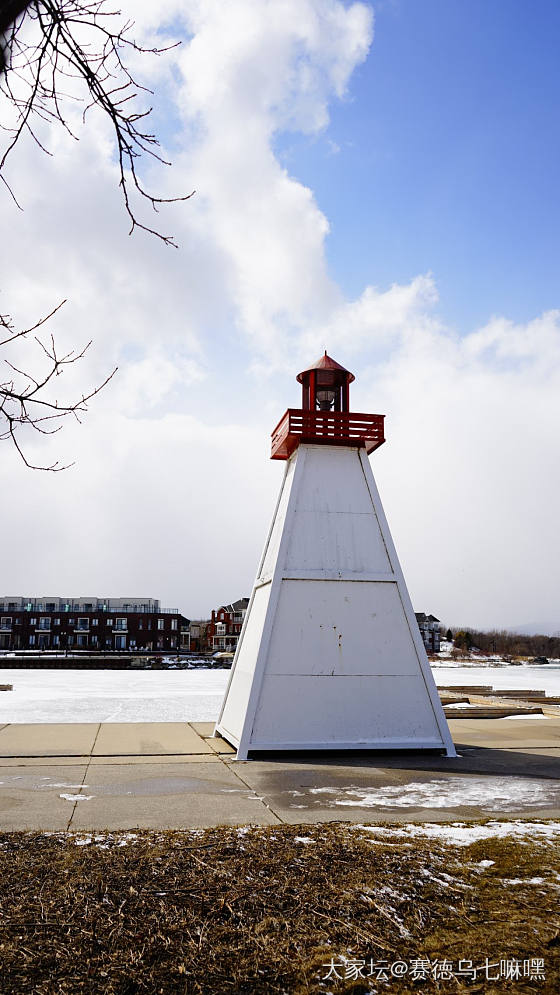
{"x":330,"y":656}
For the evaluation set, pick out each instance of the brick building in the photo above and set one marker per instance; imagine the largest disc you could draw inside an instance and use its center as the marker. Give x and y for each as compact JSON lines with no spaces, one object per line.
{"x":199,"y":638}
{"x":225,"y":626}
{"x":94,"y":624}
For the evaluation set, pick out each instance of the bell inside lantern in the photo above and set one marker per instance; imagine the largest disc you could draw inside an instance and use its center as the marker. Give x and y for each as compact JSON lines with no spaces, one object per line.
{"x":326,"y":398}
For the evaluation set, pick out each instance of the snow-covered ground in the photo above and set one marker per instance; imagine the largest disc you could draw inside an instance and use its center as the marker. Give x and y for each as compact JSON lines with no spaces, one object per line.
{"x":112,"y":695}
{"x":184,"y":695}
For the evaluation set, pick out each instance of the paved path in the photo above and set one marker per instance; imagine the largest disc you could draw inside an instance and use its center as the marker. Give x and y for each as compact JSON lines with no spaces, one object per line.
{"x":108,"y":776}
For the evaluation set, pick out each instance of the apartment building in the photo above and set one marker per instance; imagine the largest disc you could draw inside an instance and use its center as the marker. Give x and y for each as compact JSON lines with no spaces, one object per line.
{"x":429,"y":630}
{"x":94,"y":624}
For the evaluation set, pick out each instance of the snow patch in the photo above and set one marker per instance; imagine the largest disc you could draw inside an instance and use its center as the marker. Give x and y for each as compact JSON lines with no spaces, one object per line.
{"x":524,"y":881}
{"x":488,"y":793}
{"x":526,"y":718}
{"x":462,"y":834}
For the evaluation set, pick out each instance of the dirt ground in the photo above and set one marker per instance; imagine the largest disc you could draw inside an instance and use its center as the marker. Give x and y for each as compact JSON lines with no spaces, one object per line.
{"x":328,"y":908}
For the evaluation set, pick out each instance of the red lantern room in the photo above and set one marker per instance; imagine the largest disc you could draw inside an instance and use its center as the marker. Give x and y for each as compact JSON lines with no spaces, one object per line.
{"x":324,"y":417}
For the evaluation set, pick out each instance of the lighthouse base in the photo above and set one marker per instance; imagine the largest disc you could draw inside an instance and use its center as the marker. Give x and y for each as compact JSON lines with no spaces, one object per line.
{"x":330,"y":656}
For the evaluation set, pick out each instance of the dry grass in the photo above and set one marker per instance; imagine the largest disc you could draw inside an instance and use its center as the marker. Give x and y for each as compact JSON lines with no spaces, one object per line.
{"x":257,"y":911}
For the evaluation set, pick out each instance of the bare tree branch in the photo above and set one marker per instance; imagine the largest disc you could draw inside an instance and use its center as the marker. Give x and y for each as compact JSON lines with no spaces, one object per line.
{"x":47,"y":45}
{"x":25,"y":401}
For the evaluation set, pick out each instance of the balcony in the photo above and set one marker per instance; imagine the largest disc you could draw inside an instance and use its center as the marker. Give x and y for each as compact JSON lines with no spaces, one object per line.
{"x":327,"y":428}
{"x":91,"y":608}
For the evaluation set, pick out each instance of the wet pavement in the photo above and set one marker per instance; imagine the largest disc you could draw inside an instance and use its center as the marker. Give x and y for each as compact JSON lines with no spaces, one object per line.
{"x":108,"y":776}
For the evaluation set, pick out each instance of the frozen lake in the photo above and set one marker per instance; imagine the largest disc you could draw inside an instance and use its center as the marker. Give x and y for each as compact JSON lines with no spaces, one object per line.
{"x":545,"y":678}
{"x":183,"y":695}
{"x":112,"y":695}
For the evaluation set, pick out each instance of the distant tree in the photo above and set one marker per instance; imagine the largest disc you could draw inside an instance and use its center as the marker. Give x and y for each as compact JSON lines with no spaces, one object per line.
{"x":508,"y":644}
{"x":463,"y":640}
{"x":449,"y":636}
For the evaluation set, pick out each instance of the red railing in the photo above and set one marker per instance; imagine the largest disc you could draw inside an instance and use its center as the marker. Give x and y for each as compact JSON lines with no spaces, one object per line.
{"x":327,"y":428}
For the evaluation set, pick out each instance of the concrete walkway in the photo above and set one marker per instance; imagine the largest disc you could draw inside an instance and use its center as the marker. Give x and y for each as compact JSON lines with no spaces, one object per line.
{"x":109,"y":776}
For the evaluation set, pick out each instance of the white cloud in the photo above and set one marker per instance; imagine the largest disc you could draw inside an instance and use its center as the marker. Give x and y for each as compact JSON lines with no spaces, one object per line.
{"x":469,"y":471}
{"x":173,"y":482}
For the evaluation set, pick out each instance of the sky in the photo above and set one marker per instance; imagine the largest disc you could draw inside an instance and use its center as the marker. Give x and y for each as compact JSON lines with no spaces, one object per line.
{"x":379,"y":180}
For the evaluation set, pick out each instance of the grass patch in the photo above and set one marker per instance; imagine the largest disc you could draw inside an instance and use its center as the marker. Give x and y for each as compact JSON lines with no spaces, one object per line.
{"x":264,"y":909}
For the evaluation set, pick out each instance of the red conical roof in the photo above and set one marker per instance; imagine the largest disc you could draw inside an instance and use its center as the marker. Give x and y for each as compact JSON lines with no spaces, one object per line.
{"x":326,"y":363}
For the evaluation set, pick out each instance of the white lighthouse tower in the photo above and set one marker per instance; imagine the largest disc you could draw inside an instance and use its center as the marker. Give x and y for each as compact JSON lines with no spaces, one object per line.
{"x":330,"y":656}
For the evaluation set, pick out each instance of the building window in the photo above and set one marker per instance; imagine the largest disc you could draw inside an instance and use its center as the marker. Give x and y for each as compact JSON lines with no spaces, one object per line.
{"x":160,"y":623}
{"x":94,"y":640}
{"x":94,"y":621}
{"x":220,"y":628}
{"x":56,"y":621}
{"x":6,"y":623}
{"x":120,"y":623}
{"x":32,"y":640}
{"x":173,"y":642}
{"x":44,"y":623}
{"x":71,"y":621}
{"x":174,"y":624}
{"x":50,"y":606}
{"x":33,"y":621}
{"x":83,"y":623}
{"x":88,"y":608}
{"x":81,"y":640}
{"x":56,"y":640}
{"x":109,"y":621}
{"x":120,"y":642}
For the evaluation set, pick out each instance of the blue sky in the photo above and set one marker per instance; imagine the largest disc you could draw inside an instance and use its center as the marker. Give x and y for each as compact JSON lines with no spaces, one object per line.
{"x":449,"y":157}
